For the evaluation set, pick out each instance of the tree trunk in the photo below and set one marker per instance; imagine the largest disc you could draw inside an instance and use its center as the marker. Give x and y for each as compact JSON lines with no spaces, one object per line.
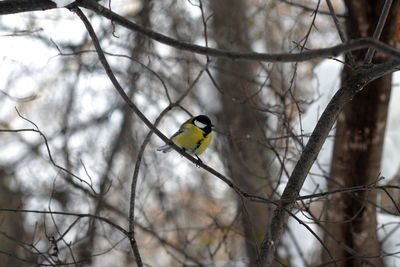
{"x":248,"y":163}
{"x":11,"y":228}
{"x":351,"y":218}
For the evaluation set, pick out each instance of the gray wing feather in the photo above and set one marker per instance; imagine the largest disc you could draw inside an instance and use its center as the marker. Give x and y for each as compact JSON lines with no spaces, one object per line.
{"x":167,"y":148}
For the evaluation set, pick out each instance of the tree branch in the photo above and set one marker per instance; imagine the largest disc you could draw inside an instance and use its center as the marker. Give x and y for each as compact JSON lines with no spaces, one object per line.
{"x":350,"y":88}
{"x":151,"y":126}
{"x":19,"y":6}
{"x":79,"y":215}
{"x":6,"y":7}
{"x":378,"y":29}
{"x":278,"y":57}
{"x":342,"y":35}
{"x":306,"y":8}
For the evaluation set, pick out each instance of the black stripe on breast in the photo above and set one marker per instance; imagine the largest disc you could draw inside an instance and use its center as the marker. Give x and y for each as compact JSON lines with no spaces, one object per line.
{"x":198,"y":144}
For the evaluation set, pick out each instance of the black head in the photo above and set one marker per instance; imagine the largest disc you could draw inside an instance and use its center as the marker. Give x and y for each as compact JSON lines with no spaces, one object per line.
{"x":203,"y":122}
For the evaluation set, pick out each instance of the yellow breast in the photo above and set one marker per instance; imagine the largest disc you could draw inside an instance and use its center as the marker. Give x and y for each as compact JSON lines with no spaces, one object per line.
{"x":192,"y":139}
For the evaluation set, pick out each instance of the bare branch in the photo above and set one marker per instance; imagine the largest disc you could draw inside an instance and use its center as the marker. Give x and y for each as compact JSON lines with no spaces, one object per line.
{"x":151,"y":126}
{"x":342,"y":35}
{"x":140,"y":156}
{"x":279,"y":57}
{"x":349,"y":89}
{"x":18,"y":6}
{"x":306,"y":8}
{"x":79,"y":215}
{"x":378,"y":29}
{"x":47,"y":149}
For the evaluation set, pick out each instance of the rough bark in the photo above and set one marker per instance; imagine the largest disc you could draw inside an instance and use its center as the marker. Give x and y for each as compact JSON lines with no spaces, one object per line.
{"x":247,"y":162}
{"x":351,"y":218}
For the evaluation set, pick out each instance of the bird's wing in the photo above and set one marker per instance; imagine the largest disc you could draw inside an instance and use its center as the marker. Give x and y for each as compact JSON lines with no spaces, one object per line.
{"x":167,"y":148}
{"x":184,"y":127}
{"x":178,"y":132}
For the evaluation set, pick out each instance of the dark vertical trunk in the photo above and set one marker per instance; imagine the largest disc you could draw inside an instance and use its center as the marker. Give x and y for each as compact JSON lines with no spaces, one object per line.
{"x":11,"y":226}
{"x":351,"y":218}
{"x":247,"y":162}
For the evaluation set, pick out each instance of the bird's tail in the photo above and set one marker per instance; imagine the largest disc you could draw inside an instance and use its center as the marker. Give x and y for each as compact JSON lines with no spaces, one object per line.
{"x":165,"y":148}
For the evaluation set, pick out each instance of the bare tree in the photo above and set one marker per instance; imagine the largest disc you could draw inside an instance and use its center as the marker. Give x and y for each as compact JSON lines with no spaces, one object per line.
{"x":88,"y":187}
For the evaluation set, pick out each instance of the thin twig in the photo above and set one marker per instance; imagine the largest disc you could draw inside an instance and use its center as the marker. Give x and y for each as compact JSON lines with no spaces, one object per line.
{"x":314,"y":234}
{"x":359,"y":188}
{"x":350,"y":88}
{"x":37,"y":130}
{"x":378,"y":30}
{"x":80,"y":215}
{"x":154,"y":129}
{"x":306,"y":8}
{"x":352,"y":45}
{"x":342,"y":35}
{"x":114,"y":80}
{"x":140,"y":156}
{"x":357,"y":44}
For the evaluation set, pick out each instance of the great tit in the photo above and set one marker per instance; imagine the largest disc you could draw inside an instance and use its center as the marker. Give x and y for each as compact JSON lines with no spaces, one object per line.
{"x":193,"y":136}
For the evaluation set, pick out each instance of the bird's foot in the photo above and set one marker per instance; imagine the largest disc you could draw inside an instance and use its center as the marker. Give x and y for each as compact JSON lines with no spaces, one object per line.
{"x":199,"y":162}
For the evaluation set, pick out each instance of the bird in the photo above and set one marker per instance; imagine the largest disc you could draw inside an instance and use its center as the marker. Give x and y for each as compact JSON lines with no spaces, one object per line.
{"x":193,"y":136}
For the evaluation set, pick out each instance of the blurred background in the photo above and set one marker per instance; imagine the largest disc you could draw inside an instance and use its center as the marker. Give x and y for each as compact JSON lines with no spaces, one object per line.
{"x":70,"y":144}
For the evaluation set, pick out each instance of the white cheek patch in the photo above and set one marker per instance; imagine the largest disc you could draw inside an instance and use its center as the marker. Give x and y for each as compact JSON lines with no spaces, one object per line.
{"x":200,"y":124}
